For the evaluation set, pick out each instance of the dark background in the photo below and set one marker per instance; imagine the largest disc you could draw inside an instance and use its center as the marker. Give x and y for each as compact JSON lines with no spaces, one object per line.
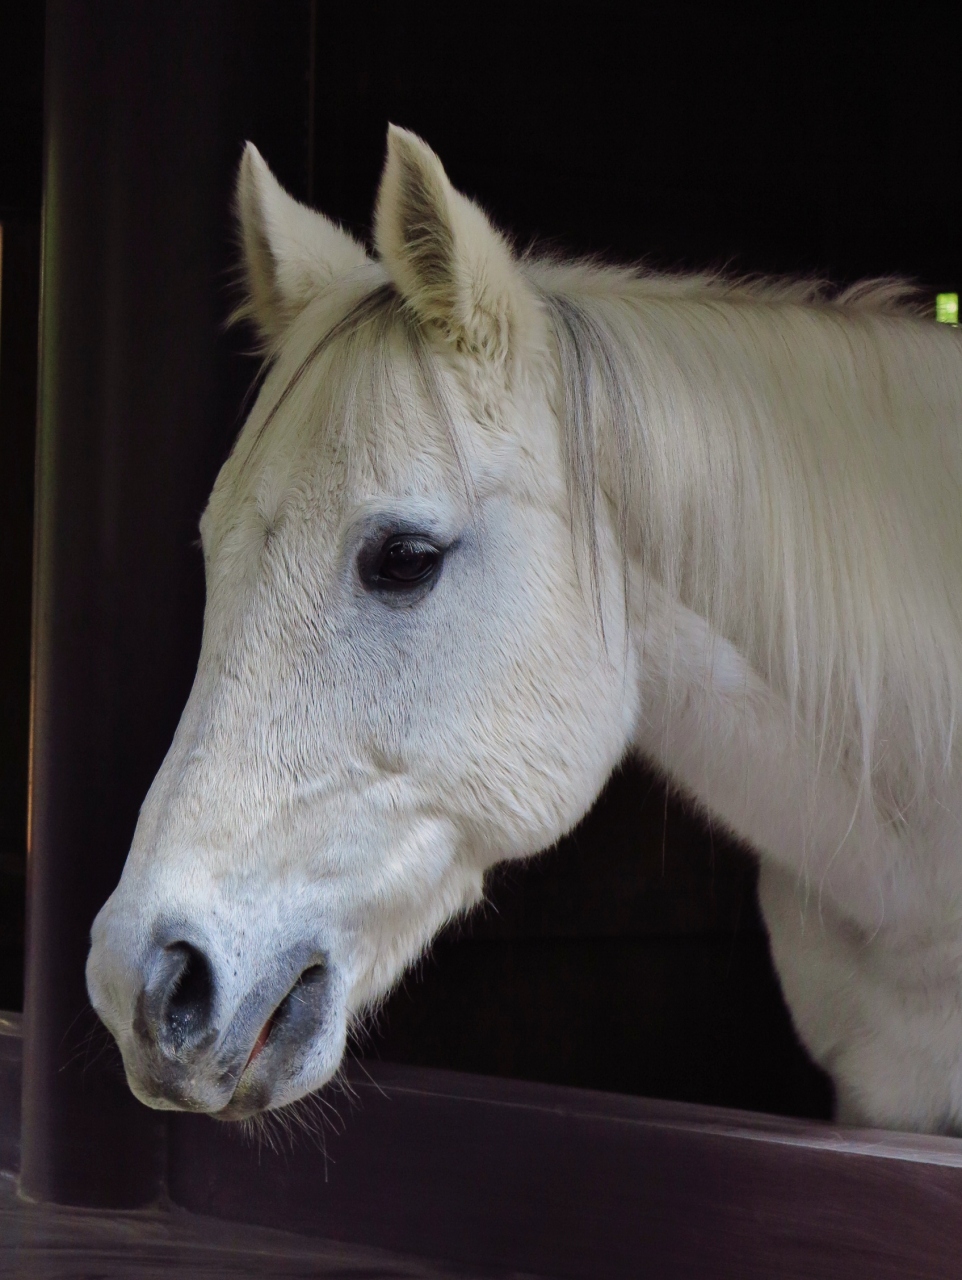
{"x":773,"y":139}
{"x":21,"y":154}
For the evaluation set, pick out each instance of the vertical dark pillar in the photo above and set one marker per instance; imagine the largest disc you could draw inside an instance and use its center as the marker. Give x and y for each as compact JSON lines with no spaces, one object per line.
{"x":126,"y":386}
{"x":146,"y":109}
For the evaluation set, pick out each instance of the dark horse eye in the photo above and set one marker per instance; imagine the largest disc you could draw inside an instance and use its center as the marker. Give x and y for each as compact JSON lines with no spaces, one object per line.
{"x":403,"y":562}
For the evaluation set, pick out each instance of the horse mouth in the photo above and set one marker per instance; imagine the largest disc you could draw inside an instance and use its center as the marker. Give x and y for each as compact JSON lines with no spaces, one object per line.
{"x":262,"y":1038}
{"x":252,"y":1094}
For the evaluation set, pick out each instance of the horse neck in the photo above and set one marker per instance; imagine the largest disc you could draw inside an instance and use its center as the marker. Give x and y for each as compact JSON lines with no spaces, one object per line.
{"x":746,"y":443}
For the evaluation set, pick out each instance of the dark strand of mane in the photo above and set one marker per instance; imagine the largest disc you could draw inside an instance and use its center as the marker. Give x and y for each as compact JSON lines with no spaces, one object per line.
{"x":585,"y":356}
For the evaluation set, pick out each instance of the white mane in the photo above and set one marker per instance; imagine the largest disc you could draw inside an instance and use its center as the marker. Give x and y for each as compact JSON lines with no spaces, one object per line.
{"x":760,"y":440}
{"x":778,"y":446}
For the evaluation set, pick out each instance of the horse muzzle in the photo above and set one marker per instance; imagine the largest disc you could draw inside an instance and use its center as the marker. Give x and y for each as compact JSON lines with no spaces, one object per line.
{"x":192,"y":1045}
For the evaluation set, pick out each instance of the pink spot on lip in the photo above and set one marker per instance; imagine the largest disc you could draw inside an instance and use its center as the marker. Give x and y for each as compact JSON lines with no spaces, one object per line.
{"x":262,"y":1037}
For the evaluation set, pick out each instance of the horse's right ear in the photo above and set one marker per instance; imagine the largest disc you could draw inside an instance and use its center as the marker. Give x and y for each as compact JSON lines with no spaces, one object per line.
{"x":290,"y":252}
{"x":454,"y":270}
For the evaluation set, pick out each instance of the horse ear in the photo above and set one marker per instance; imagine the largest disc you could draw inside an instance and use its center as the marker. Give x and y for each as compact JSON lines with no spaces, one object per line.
{"x":453,"y":268}
{"x":290,"y":252}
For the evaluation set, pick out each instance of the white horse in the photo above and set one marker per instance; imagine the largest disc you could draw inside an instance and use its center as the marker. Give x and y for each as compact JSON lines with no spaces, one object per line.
{"x":495,"y":522}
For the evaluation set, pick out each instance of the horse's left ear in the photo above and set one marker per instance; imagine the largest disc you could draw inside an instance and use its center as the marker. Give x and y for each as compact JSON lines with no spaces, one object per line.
{"x":456,"y":272}
{"x":290,"y":252}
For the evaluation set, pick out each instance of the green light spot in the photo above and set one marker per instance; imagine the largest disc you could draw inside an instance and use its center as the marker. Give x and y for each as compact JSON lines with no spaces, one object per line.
{"x":947,"y":308}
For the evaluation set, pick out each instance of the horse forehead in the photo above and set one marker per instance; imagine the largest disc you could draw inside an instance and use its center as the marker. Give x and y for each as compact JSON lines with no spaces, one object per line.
{"x":307,"y":473}
{"x":335,"y":463}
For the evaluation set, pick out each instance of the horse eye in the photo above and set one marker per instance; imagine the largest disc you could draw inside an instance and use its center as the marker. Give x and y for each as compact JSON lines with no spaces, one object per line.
{"x":403,"y":562}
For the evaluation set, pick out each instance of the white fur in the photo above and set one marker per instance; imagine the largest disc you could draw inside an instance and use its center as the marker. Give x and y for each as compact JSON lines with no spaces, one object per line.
{"x":749,"y":570}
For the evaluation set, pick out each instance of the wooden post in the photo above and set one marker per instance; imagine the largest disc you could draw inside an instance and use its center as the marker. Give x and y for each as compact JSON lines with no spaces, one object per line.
{"x":147,"y":107}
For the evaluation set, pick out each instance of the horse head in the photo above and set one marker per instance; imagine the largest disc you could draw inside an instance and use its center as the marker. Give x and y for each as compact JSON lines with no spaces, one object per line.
{"x":407,"y":672}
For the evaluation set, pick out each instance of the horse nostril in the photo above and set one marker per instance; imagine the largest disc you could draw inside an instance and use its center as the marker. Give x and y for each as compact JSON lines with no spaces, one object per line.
{"x":179,"y":997}
{"x":298,"y":994}
{"x":312,"y":974}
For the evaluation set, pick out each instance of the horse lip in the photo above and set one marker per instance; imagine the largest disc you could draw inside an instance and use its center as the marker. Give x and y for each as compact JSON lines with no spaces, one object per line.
{"x":262,"y":1038}
{"x":231,"y":1110}
{"x":237,"y":1107}
{"x":260,"y":1044}
{"x":250,"y":1095}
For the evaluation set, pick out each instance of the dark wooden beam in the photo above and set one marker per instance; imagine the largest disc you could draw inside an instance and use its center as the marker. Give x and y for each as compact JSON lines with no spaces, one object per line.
{"x":533,"y":1179}
{"x":147,"y":108}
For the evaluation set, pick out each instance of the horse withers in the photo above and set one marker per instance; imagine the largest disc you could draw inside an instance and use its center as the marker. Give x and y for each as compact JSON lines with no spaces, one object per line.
{"x":493,"y":523}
